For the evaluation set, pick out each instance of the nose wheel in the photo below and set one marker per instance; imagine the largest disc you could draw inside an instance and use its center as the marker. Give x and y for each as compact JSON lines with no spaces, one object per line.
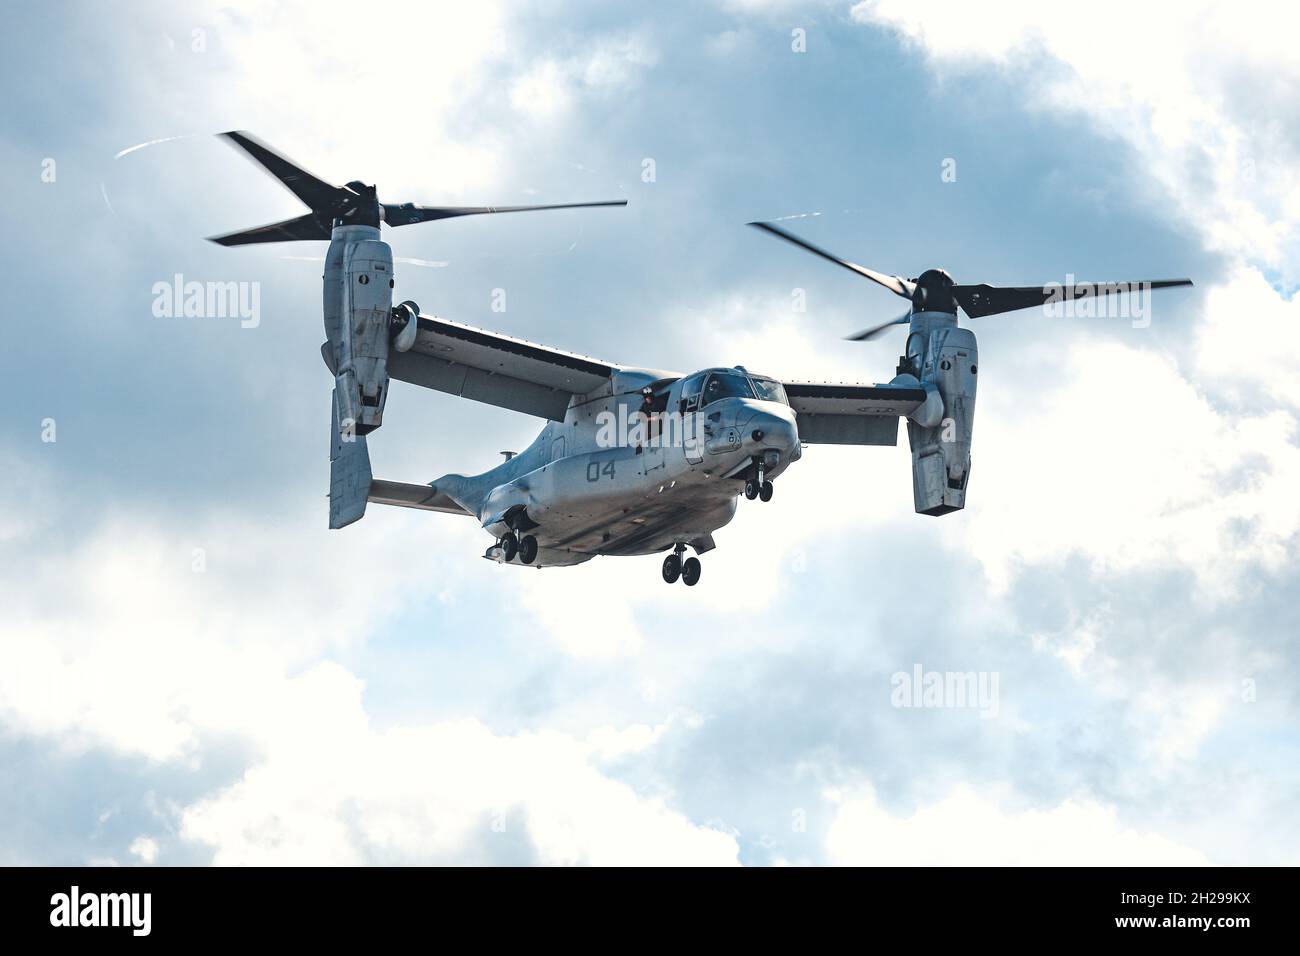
{"x":758,"y":486}
{"x":689,"y":570}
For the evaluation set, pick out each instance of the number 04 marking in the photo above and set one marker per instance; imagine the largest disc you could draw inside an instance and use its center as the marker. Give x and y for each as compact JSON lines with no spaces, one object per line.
{"x":594,"y":470}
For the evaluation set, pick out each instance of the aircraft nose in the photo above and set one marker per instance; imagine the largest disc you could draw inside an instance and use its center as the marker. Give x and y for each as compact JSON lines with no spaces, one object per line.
{"x":772,"y":430}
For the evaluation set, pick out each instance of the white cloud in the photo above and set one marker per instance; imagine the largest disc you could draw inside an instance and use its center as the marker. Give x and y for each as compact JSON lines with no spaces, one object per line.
{"x":542,"y":92}
{"x":615,"y":63}
{"x":119,"y":643}
{"x":1168,"y":717}
{"x":135,"y":637}
{"x":1124,"y":462}
{"x":1247,"y":345}
{"x":1168,"y":80}
{"x":606,"y":66}
{"x":967,"y":828}
{"x":351,"y":87}
{"x":769,"y":336}
{"x":587,"y":610}
{"x":144,"y":848}
{"x":332,"y":790}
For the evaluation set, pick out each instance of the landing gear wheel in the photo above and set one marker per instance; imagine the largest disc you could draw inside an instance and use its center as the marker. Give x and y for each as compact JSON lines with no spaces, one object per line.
{"x":691,"y":571}
{"x":509,"y":546}
{"x":751,"y":489}
{"x":527,"y":549}
{"x":765,"y":491}
{"x":672,"y":568}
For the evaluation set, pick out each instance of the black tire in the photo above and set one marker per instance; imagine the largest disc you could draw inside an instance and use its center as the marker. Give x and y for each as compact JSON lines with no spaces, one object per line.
{"x":691,"y":571}
{"x":751,"y":489}
{"x":527,"y":549}
{"x":509,"y":546}
{"x":672,"y":568}
{"x":765,"y":492}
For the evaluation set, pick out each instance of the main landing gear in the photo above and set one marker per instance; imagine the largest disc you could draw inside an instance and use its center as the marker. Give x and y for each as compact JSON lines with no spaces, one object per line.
{"x":525,"y":548}
{"x":509,"y":546}
{"x":689,"y":570}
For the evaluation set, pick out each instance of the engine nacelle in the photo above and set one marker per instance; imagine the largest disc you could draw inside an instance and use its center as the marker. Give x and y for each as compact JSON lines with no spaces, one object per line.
{"x":358,"y":315}
{"x":945,"y":359}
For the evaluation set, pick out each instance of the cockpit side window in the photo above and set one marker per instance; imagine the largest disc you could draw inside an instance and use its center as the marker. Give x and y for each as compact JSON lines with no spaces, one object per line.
{"x":770,"y":391}
{"x":725,"y":385}
{"x":691,"y":393}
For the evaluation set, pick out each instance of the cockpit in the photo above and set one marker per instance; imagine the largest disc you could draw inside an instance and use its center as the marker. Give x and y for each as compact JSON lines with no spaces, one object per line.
{"x":769,"y":390}
{"x":704,"y":388}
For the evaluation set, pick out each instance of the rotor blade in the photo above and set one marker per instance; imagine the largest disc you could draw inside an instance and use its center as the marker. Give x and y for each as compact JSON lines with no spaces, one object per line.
{"x":895,"y":284}
{"x":304,"y":227}
{"x":409,"y":213}
{"x":316,"y":193}
{"x":978,"y":300}
{"x":875,"y":330}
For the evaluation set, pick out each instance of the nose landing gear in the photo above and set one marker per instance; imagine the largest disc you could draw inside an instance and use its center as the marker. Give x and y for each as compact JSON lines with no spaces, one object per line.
{"x":674,"y":567}
{"x":758,"y":486}
{"x":755,"y":489}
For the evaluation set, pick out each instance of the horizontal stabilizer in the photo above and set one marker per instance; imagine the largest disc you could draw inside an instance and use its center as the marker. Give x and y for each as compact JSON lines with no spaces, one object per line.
{"x":404,"y":495}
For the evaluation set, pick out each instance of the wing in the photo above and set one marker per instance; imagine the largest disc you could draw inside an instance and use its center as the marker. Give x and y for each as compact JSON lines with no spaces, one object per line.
{"x":851,"y":414}
{"x":497,"y":369}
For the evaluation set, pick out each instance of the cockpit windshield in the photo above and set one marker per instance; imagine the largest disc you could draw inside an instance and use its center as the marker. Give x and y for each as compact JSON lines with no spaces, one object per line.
{"x":726,"y":385}
{"x":770,"y":391}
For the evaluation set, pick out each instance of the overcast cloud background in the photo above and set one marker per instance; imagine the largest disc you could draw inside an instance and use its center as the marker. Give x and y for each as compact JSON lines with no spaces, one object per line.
{"x":383,"y":695}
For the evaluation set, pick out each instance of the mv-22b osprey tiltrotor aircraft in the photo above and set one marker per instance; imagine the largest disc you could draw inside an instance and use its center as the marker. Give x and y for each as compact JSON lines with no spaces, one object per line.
{"x":631,"y":460}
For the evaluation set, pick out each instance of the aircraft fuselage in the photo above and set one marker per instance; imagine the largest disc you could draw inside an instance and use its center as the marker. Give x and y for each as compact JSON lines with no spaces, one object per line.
{"x":591,"y":486}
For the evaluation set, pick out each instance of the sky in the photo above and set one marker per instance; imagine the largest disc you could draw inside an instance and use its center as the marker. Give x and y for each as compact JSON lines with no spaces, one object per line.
{"x":194,"y":670}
